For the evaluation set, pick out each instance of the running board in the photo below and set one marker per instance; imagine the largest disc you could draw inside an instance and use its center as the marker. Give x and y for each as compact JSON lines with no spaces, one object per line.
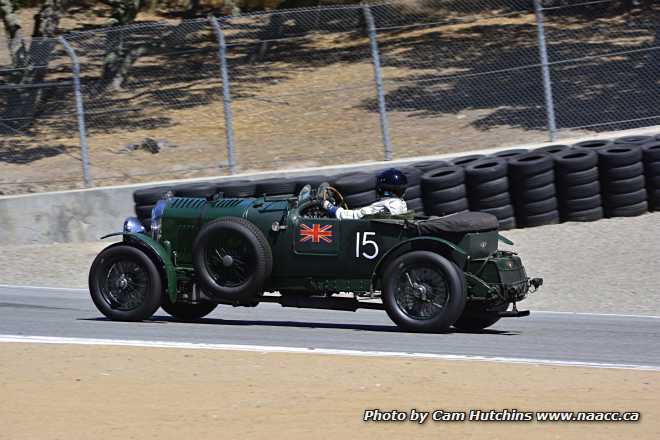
{"x":316,"y":302}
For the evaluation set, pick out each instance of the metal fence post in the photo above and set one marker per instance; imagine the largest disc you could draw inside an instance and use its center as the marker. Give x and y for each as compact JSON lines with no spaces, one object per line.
{"x":375,"y":60}
{"x":547,"y":82}
{"x":80,"y":111}
{"x":226,"y":96}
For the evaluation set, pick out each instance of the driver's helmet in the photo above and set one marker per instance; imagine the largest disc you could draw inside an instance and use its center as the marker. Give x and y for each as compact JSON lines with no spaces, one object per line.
{"x":391,"y":182}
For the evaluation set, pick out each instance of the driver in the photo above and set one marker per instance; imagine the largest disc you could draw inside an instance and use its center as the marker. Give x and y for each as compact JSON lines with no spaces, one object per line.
{"x":390,"y":185}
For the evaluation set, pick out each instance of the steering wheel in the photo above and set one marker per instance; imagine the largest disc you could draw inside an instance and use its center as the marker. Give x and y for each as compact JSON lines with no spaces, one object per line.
{"x":313,"y":208}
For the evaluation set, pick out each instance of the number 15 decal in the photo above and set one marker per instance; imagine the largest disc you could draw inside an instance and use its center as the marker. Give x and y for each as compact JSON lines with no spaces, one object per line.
{"x":364,"y":244}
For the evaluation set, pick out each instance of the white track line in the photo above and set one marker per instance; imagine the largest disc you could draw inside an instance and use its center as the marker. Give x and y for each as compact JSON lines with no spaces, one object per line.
{"x":322,"y":351}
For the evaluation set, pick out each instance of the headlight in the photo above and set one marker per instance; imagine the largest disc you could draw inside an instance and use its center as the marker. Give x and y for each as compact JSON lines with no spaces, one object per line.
{"x":132,"y":224}
{"x":157,"y":218}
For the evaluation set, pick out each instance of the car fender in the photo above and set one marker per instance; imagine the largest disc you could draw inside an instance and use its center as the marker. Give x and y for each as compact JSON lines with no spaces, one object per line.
{"x":155,"y":250}
{"x":457,"y":254}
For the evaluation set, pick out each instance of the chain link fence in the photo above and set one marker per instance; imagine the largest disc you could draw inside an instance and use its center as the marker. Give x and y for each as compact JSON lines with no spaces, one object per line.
{"x":319,"y":86}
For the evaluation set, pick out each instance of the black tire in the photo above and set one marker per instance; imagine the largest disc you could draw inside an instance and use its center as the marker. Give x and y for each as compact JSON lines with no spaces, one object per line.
{"x":540,"y":207}
{"x":530,"y":164}
{"x":577,"y":177}
{"x":427,"y":166}
{"x":413,"y":175}
{"x":313,"y":181}
{"x":416,"y":205}
{"x":205,"y":190}
{"x":580,"y":191}
{"x":125,"y":284}
{"x":361,"y":199}
{"x":625,"y":199}
{"x":490,"y":202}
{"x":587,"y":215}
{"x":442,"y":178}
{"x":485,"y":170}
{"x":548,"y":218}
{"x":149,"y":196}
{"x":237,"y":189}
{"x":477,"y":317}
{"x":624,"y":172}
{"x":507,"y":154}
{"x":633,"y":140}
{"x":628,"y":210}
{"x":553,"y":149}
{"x":653,"y":182}
{"x":626,"y":185}
{"x":413,"y":192}
{"x":507,"y":223}
{"x":536,"y":194}
{"x":447,"y":208}
{"x":247,"y":249}
{"x":594,"y":145}
{"x":573,"y":160}
{"x":501,"y":212}
{"x":187,"y":311}
{"x":530,"y":182}
{"x":275,"y":187}
{"x":439,"y":276}
{"x":490,"y":188}
{"x":652,"y":169}
{"x":651,"y":151}
{"x":463,"y":161}
{"x":619,"y":156}
{"x":354,"y":183}
{"x":582,"y":204}
{"x":446,"y":195}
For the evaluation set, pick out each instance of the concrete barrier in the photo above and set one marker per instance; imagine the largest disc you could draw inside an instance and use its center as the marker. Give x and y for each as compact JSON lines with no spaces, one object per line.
{"x":86,"y":214}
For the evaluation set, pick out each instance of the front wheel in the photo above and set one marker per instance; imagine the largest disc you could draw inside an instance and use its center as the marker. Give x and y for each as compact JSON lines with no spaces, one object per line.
{"x":125,"y":284}
{"x":423,"y":292}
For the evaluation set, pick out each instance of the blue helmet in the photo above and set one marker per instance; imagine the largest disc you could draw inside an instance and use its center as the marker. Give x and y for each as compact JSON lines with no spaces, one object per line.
{"x":391,"y":181}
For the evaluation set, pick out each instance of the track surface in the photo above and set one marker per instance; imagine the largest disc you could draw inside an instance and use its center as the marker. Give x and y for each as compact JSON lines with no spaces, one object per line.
{"x":549,"y":336}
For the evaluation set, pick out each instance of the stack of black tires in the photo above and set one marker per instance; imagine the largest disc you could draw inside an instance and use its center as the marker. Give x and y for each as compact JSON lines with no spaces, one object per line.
{"x":622,"y":180}
{"x":651,"y":157}
{"x":487,"y":184}
{"x":444,"y":191}
{"x":358,"y":189}
{"x":578,"y":185}
{"x":533,"y":190}
{"x":413,"y":194}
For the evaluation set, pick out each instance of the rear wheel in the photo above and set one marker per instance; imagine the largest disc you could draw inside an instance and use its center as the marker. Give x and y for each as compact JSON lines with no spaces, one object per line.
{"x":186,"y":311}
{"x":478,"y":317}
{"x":125,"y":284}
{"x":423,"y":292}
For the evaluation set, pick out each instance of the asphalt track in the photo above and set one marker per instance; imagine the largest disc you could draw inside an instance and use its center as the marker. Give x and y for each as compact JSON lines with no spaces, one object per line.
{"x":562,"y":337}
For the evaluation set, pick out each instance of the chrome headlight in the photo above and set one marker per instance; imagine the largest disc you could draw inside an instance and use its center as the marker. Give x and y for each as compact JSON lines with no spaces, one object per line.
{"x":157,"y":218}
{"x":132,"y":224}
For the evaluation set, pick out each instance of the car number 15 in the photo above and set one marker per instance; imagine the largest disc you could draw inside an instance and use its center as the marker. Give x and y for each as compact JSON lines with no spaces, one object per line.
{"x":369,"y":248}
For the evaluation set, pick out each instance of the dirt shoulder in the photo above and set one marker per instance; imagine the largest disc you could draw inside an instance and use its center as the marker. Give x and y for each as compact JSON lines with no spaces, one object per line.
{"x":82,"y":392}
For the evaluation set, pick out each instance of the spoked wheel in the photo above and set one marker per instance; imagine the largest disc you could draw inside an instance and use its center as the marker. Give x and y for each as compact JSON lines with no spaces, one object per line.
{"x":232,"y":259}
{"x":477,"y":317}
{"x":423,"y":292}
{"x":125,"y":284}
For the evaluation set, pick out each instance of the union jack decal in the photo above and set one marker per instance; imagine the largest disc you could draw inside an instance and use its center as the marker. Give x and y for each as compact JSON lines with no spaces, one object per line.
{"x":315,"y":233}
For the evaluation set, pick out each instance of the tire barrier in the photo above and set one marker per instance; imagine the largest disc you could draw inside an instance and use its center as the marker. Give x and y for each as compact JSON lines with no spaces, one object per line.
{"x":622,"y":180}
{"x":582,"y":182}
{"x":487,"y":184}
{"x":651,"y":159}
{"x":444,"y":191}
{"x":533,"y":189}
{"x":413,"y":194}
{"x":578,"y":185}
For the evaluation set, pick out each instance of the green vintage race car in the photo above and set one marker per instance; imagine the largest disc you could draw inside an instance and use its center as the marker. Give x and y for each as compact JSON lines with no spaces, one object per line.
{"x":428,"y":274}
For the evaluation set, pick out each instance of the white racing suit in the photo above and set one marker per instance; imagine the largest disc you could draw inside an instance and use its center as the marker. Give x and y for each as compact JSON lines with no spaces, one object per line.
{"x":390,"y":205}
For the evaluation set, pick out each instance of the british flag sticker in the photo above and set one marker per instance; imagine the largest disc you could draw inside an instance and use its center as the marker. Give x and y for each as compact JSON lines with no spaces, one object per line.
{"x":315,"y":233}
